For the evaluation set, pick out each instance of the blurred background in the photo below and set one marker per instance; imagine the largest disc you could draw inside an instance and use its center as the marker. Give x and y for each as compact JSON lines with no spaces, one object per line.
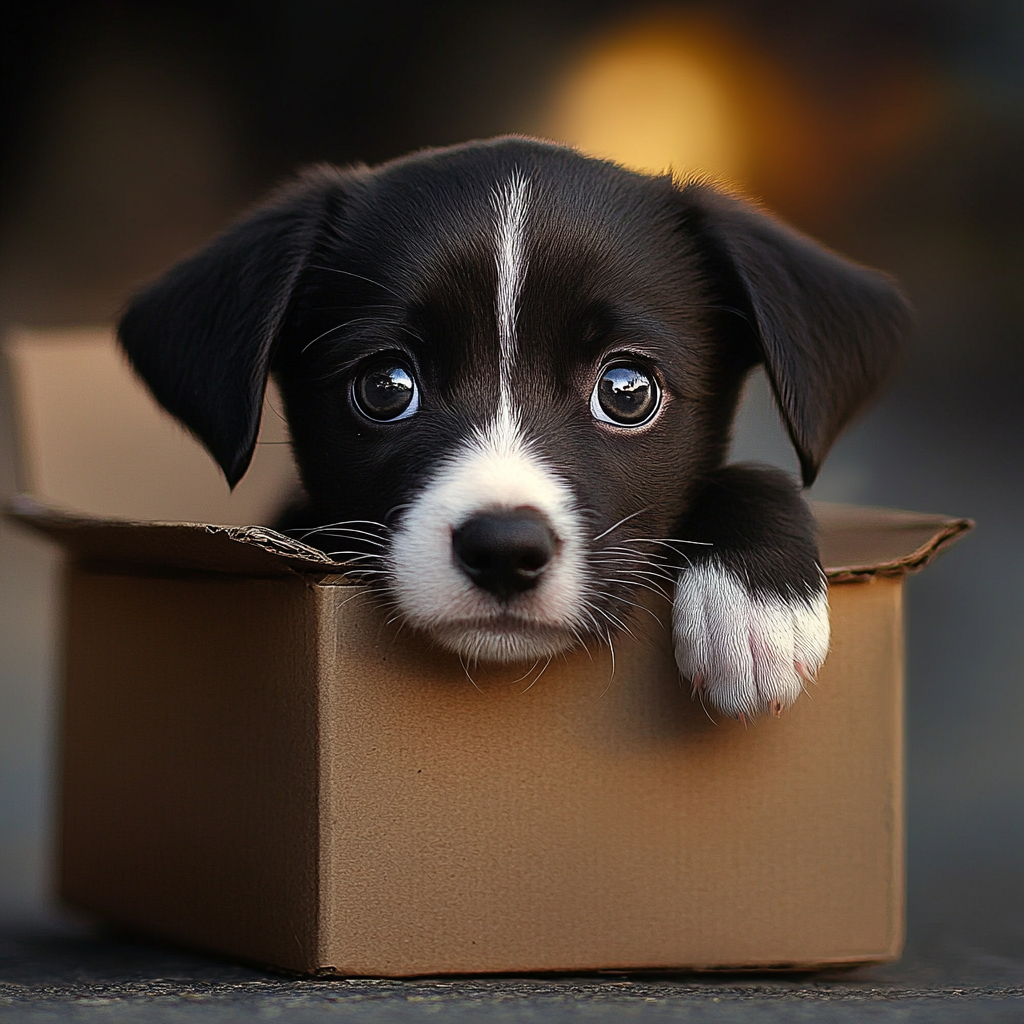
{"x":891,"y":129}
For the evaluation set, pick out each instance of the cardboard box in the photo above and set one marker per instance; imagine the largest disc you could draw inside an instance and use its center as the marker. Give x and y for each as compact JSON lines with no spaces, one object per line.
{"x":254,"y":762}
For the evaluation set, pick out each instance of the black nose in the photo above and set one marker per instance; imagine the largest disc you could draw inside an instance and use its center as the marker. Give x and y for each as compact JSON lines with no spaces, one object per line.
{"x":504,"y":553}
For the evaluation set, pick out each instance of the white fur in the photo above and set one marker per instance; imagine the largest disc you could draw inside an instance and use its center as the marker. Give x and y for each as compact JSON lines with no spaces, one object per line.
{"x":510,"y":202}
{"x":746,"y":655}
{"x":495,"y":470}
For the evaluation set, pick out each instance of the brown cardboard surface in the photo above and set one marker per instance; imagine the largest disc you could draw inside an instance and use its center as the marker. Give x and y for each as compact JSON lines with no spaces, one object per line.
{"x":92,"y":438}
{"x":600,"y":821}
{"x":258,"y":767}
{"x":189,"y":760}
{"x":147,"y":546}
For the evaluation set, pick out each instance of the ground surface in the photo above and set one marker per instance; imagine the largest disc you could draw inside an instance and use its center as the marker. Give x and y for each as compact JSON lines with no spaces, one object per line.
{"x":58,"y":970}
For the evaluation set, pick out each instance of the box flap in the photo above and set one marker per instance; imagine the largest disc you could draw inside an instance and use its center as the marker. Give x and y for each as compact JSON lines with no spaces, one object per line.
{"x":856,"y":542}
{"x":91,"y":437}
{"x":124,"y":544}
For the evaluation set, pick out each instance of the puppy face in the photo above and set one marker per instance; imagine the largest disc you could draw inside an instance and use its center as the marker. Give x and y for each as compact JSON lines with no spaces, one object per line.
{"x":508,"y":369}
{"x":512,"y":386}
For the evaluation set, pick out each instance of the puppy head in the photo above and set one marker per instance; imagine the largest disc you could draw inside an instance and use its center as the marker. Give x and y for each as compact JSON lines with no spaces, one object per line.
{"x":506,"y":367}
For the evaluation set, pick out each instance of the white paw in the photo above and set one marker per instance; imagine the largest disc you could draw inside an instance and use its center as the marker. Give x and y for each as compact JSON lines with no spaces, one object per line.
{"x":745,"y":655}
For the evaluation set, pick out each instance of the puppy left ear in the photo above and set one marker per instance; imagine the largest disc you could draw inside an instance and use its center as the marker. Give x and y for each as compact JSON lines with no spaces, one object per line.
{"x":829,"y":330}
{"x":202,"y":336}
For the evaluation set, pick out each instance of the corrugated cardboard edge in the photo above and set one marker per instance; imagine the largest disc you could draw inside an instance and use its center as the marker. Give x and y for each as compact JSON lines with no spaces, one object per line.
{"x":250,"y":550}
{"x":259,"y":550}
{"x":914,"y":562}
{"x":942,"y":531}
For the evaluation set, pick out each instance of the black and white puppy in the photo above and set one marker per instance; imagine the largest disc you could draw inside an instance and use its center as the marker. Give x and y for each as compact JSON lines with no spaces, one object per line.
{"x":510,"y":373}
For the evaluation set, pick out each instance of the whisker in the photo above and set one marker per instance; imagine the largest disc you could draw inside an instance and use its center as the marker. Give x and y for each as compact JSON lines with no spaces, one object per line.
{"x":396,"y":508}
{"x":539,"y":674}
{"x":590,"y":615}
{"x":362,"y":592}
{"x":611,"y":675}
{"x":468,"y":676}
{"x":355,"y":535}
{"x":666,"y":541}
{"x":360,"y":536}
{"x":368,"y":280}
{"x":662,"y":572}
{"x":700,"y":696}
{"x":616,"y":597}
{"x":350,"y":525}
{"x":620,"y":560}
{"x":397,"y":617}
{"x":581,"y":641}
{"x":630,"y":566}
{"x":616,"y":622}
{"x":349,"y":522}
{"x":274,"y":409}
{"x":649,"y":574}
{"x":656,"y":557}
{"x":526,"y":673}
{"x":645,"y":586}
{"x":362,"y":552}
{"x":624,"y":519}
{"x":337,"y":327}
{"x":640,"y":607}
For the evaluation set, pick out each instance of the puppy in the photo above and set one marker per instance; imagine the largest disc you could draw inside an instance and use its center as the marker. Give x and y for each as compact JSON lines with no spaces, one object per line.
{"x":510,"y":374}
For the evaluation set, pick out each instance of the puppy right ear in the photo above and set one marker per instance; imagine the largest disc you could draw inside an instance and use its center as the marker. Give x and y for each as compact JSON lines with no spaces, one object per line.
{"x":202,"y":336}
{"x":828,"y":330}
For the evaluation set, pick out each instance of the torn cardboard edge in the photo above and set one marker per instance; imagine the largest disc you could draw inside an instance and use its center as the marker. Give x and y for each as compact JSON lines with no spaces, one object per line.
{"x":856,"y":542}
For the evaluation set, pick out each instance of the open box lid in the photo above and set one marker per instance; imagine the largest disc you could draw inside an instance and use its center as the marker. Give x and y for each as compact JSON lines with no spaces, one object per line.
{"x":856,"y":542}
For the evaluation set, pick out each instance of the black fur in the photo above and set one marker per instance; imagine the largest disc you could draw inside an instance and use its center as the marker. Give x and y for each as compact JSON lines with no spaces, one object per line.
{"x":697,"y":284}
{"x":203,"y":335}
{"x":758,"y":527}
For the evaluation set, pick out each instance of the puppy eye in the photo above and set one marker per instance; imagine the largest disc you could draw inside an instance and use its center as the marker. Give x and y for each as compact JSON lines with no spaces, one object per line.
{"x":386,"y":391}
{"x":626,"y":395}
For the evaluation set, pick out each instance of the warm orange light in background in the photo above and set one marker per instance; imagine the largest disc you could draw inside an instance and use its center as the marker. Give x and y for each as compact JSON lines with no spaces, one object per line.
{"x":653,"y":99}
{"x":690,"y":95}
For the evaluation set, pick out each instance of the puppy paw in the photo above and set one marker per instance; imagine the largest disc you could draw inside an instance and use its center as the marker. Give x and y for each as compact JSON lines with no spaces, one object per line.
{"x":746,"y":653}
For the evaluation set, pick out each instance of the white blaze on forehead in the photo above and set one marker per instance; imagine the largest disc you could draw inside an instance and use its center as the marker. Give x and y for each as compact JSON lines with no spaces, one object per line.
{"x":510,"y":202}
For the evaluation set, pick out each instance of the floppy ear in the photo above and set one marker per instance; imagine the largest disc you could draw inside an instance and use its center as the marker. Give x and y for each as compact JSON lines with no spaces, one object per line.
{"x":829,"y":331}
{"x":202,"y":336}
